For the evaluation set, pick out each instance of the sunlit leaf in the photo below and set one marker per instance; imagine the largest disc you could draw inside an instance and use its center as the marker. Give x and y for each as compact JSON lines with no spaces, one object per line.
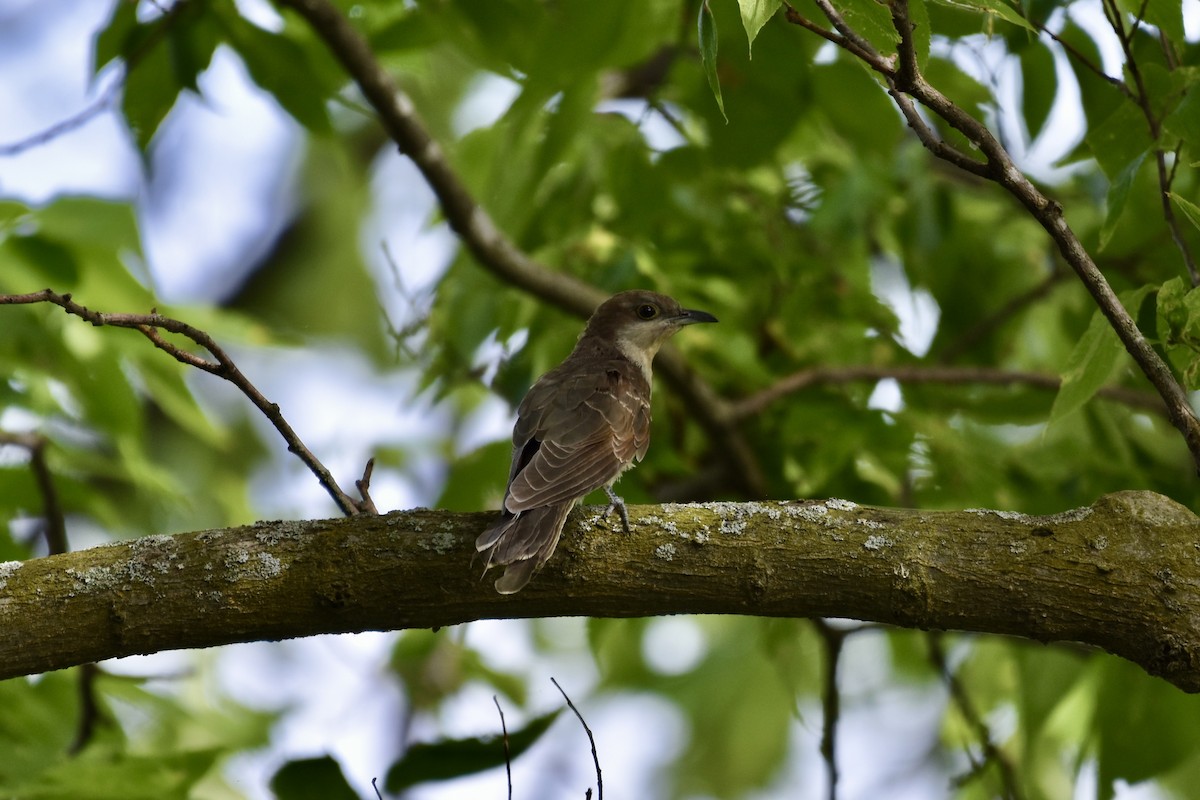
{"x":755,"y":14}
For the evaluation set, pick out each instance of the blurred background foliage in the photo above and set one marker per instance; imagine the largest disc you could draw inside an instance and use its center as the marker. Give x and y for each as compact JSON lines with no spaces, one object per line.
{"x":812,"y":223}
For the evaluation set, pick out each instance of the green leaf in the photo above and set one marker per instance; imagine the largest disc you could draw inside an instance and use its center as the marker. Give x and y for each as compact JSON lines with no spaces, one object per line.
{"x":1144,"y":725}
{"x":1184,"y":121}
{"x":708,"y":53}
{"x":992,"y":7}
{"x":453,"y":758}
{"x":1039,"y":86}
{"x":874,"y":22}
{"x":755,"y":14}
{"x":1118,"y":194}
{"x":1179,"y":327}
{"x":149,"y":94}
{"x":1089,"y":367}
{"x":312,"y":779}
{"x":285,"y":69}
{"x":1167,"y":17}
{"x":1189,"y":209}
{"x":1119,"y":140}
{"x":476,"y":476}
{"x":112,"y":39}
{"x":54,"y":262}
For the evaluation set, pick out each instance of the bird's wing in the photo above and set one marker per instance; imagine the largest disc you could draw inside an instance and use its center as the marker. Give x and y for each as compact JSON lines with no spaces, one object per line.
{"x":577,"y":430}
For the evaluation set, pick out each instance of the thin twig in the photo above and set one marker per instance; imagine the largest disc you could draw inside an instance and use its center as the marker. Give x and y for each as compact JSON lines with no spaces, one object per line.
{"x":492,"y":249}
{"x":591,"y":740}
{"x":830,"y":700}
{"x":821,"y":376}
{"x":54,"y":519}
{"x":89,"y":709}
{"x":223,"y":366}
{"x":1079,"y":56}
{"x":77,"y":120}
{"x":363,"y":484}
{"x":990,"y":323}
{"x":507,"y":753}
{"x":962,"y":700}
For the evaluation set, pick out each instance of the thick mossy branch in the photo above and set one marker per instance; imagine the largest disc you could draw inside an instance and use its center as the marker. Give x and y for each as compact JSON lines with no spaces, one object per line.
{"x":1122,"y":574}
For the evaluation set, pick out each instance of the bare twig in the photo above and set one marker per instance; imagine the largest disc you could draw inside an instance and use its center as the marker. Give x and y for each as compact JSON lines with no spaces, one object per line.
{"x":798,"y":381}
{"x":150,"y":325}
{"x":363,"y":484}
{"x":89,"y":709}
{"x":77,"y":120}
{"x":962,"y":700}
{"x":591,"y":740}
{"x":1079,"y":56}
{"x":54,"y":520}
{"x":830,"y":700}
{"x":491,"y":248}
{"x":507,"y":753}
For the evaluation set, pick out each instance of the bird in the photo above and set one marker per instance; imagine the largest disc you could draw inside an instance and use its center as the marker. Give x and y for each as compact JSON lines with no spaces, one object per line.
{"x":579,"y":427}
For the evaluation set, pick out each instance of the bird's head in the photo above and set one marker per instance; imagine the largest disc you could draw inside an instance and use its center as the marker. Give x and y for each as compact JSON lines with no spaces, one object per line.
{"x":639,"y":321}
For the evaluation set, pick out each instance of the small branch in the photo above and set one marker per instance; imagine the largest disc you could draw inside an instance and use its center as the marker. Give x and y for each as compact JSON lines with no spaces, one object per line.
{"x":984,"y":328}
{"x":223,"y":367}
{"x":102,"y":103}
{"x":1079,"y":56}
{"x":53,"y":516}
{"x":89,"y":709}
{"x":830,"y":700}
{"x":363,"y":485}
{"x":856,"y":44}
{"x":507,"y":753}
{"x":798,"y":381}
{"x":591,"y":740}
{"x":959,"y":696}
{"x":494,"y":251}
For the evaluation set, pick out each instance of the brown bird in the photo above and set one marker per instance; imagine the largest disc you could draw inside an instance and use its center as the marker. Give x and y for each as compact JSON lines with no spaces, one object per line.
{"x":579,"y":427}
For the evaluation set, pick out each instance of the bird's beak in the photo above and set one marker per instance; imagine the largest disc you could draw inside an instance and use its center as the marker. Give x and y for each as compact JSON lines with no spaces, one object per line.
{"x":690,"y":316}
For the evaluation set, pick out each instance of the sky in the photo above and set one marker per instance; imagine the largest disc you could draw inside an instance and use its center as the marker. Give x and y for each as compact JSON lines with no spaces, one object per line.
{"x":235,"y":144}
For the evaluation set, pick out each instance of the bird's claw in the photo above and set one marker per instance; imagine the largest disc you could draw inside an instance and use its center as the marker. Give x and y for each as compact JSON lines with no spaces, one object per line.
{"x":615,"y":503}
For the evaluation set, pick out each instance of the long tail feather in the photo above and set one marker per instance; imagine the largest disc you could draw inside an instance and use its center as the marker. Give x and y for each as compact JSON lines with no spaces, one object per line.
{"x":521,"y":543}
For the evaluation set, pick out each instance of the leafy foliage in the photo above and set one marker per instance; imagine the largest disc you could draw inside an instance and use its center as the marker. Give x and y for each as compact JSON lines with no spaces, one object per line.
{"x":781,"y":191}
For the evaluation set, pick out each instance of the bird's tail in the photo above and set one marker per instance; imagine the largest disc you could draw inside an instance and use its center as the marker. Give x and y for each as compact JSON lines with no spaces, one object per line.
{"x":521,"y":543}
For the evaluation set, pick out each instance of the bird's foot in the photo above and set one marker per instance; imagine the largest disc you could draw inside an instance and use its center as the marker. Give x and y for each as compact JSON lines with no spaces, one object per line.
{"x":615,"y":503}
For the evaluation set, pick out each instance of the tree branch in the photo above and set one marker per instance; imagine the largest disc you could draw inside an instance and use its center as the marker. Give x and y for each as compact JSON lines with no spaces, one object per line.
{"x":493,"y":250}
{"x":1120,"y":575}
{"x":149,"y":325}
{"x":815,"y":376}
{"x":907,"y":79}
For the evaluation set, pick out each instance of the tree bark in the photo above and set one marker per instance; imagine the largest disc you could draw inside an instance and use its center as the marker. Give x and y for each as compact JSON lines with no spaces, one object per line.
{"x":1122,"y":574}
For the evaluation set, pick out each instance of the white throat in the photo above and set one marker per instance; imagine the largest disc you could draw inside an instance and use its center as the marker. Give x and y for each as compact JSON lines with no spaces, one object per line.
{"x":641,"y":356}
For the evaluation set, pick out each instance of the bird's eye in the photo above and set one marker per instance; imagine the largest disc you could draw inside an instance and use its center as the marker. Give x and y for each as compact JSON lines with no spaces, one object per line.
{"x":647,"y":311}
